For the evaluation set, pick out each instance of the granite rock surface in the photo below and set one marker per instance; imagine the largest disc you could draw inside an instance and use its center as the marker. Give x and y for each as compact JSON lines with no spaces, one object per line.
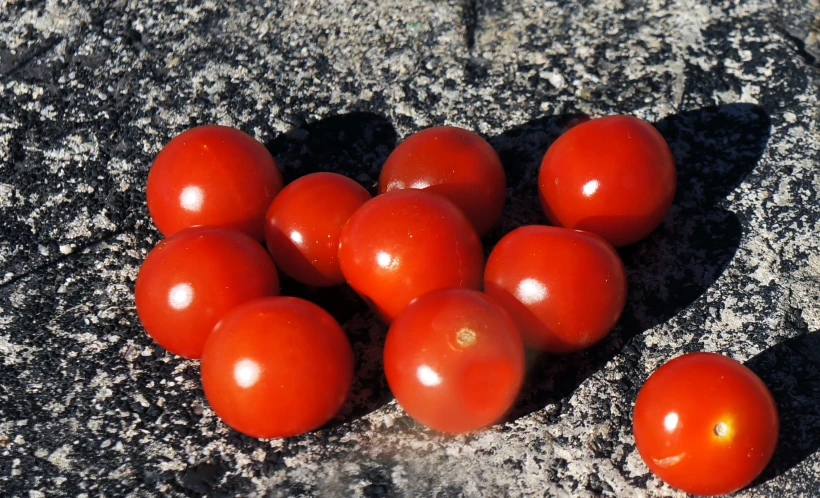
{"x":90,"y":91}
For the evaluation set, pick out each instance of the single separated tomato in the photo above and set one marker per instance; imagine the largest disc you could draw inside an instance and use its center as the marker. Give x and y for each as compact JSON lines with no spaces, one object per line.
{"x":452,"y":162}
{"x":705,"y":424}
{"x":192,"y":278}
{"x":613,"y":176}
{"x":215,"y":176}
{"x":564,"y":288}
{"x":277,"y":367}
{"x":305,"y":222}
{"x":454,"y":360}
{"x":403,"y":244}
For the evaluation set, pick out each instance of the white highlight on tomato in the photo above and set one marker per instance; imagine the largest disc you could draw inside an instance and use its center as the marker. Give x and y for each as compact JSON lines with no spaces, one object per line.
{"x":296,"y":237}
{"x":590,"y":187}
{"x":191,"y":198}
{"x":246,"y":372}
{"x":531,"y":291}
{"x":385,"y":260}
{"x":428,"y":376}
{"x":670,"y":422}
{"x":181,"y":296}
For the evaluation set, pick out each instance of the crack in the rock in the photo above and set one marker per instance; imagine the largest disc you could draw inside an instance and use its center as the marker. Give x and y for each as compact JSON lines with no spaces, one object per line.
{"x":50,"y":42}
{"x":27,"y":58}
{"x":800,"y":48}
{"x":76,"y":252}
{"x":469,"y":17}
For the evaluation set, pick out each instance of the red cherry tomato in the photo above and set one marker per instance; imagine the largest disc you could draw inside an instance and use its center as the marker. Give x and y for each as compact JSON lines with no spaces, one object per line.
{"x":564,"y":288}
{"x":192,"y":278}
{"x":452,"y":162}
{"x":277,"y":367}
{"x":705,"y":424}
{"x":403,"y":244}
{"x":304,"y":223}
{"x":613,"y":176}
{"x":454,"y":360}
{"x":212,"y":175}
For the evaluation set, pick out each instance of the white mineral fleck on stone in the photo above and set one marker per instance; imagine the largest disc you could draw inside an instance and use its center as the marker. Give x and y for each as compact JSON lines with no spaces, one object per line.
{"x":59,"y":457}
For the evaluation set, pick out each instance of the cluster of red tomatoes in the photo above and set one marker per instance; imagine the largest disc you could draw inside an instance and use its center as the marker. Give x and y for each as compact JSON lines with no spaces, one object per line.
{"x":276,"y":366}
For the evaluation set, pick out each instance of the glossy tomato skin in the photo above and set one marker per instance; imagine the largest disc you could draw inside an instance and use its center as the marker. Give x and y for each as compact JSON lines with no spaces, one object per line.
{"x":564,"y":288}
{"x":452,"y":162}
{"x":304,"y":223}
{"x":212,"y":175}
{"x":454,"y":360}
{"x":277,"y":367}
{"x":192,"y":278}
{"x":406,"y":243}
{"x":705,"y":424}
{"x":613,"y":176}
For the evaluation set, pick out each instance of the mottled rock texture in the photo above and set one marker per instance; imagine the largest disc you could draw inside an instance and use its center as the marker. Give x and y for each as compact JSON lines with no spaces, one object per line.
{"x":90,"y":91}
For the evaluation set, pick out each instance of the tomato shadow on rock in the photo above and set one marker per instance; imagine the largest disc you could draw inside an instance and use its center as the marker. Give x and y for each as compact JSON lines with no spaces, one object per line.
{"x":715,"y":148}
{"x":790,"y":370}
{"x":521,"y":150}
{"x":355,"y":144}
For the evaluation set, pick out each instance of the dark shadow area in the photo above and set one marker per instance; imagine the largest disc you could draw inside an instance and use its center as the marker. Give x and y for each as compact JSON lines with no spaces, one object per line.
{"x":714,"y":149}
{"x":354,"y":144}
{"x":369,"y":391}
{"x":340,"y":301}
{"x":791,"y":370}
{"x":203,"y":477}
{"x":521,"y":150}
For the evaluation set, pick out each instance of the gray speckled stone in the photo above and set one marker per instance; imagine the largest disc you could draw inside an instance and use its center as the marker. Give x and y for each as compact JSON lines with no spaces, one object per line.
{"x":90,"y":91}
